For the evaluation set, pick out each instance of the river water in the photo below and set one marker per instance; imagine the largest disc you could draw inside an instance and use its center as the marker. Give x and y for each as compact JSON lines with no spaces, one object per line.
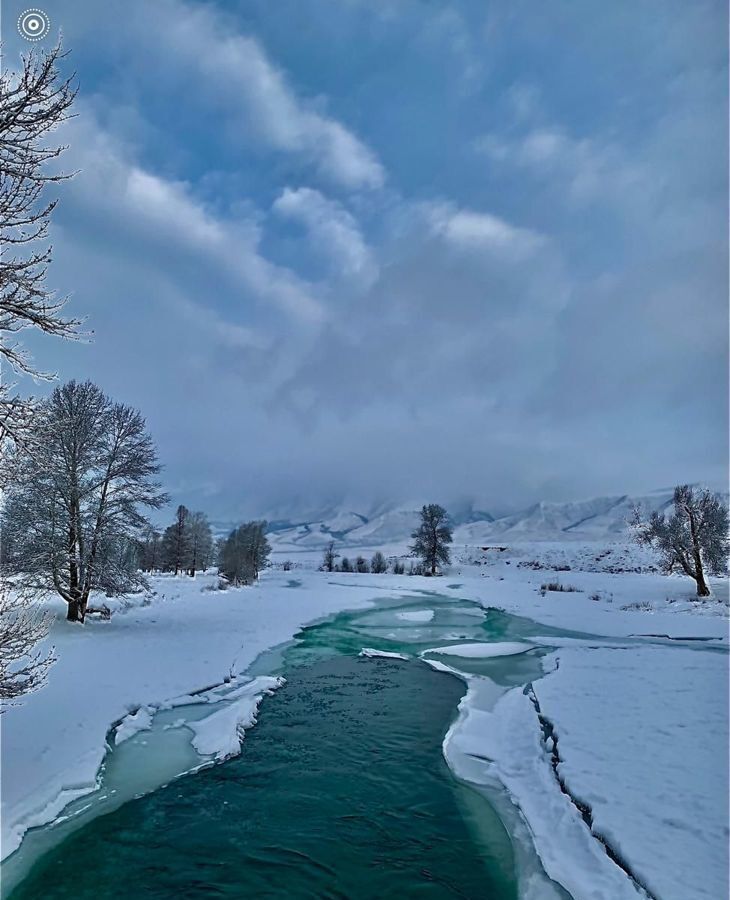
{"x":341,"y":789}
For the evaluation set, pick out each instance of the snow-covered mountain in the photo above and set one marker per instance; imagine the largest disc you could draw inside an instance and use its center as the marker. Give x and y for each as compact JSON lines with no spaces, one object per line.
{"x":384,"y":525}
{"x":588,"y":519}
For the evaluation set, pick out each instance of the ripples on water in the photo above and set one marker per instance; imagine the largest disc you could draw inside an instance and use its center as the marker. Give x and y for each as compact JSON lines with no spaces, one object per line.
{"x":341,"y":789}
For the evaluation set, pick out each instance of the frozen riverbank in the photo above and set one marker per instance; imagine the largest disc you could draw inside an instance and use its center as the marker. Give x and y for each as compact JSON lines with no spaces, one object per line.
{"x":190,"y":638}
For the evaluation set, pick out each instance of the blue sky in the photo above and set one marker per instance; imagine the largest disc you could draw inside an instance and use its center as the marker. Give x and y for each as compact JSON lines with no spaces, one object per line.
{"x":348,"y":250}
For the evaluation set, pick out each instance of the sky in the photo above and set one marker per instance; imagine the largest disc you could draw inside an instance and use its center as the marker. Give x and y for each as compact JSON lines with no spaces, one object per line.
{"x":359,"y":251}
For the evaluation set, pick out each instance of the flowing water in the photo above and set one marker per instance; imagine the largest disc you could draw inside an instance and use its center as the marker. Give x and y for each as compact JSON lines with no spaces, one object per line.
{"x":341,"y":789}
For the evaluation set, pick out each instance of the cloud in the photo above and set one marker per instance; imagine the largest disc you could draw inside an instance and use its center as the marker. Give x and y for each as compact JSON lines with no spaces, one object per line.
{"x":292,"y":318}
{"x":235,"y":74}
{"x":164,"y":216}
{"x":588,"y":169}
{"x":470,"y":230}
{"x":333,"y":232}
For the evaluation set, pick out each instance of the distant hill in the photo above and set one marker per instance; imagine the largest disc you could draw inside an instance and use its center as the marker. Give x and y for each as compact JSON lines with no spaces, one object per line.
{"x":593,"y":519}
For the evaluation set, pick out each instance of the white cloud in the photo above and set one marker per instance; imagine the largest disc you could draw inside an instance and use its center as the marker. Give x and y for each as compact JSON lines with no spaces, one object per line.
{"x":588,"y":167}
{"x":235,"y":73}
{"x":470,"y":230}
{"x":333,"y":231}
{"x":138,"y":204}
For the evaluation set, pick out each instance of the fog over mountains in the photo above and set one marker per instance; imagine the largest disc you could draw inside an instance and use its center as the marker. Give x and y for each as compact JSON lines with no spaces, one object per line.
{"x":381,"y":525}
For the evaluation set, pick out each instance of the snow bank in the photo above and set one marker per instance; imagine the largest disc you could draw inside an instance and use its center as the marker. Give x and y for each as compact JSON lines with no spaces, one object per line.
{"x":507,"y":744}
{"x":643,"y":736}
{"x":388,"y":654}
{"x":482,"y":651}
{"x":141,"y":720}
{"x":151,"y":656}
{"x":220,"y":733}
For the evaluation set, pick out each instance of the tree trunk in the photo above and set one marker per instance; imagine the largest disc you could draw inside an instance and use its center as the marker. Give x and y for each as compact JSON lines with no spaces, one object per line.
{"x":73,"y":613}
{"x":703,"y":588}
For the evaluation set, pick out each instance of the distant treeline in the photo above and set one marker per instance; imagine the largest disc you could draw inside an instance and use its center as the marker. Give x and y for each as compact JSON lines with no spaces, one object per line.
{"x":187,"y":546}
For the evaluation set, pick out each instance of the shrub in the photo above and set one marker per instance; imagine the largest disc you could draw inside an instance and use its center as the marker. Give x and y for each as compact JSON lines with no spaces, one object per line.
{"x":557,"y":587}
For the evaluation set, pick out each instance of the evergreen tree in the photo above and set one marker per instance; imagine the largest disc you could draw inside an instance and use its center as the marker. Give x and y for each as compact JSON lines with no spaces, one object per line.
{"x":176,"y":542}
{"x":432,"y":538}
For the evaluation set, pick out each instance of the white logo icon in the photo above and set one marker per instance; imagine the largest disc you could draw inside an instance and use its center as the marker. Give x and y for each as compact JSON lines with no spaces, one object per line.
{"x":34,"y":24}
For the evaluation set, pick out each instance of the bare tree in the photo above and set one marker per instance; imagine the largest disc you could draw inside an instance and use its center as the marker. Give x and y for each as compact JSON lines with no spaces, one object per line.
{"x":432,"y":538}
{"x":378,"y":565}
{"x":693,"y":540}
{"x":33,"y":103}
{"x":23,"y":668}
{"x":329,"y":557}
{"x":150,"y":549}
{"x":201,"y":543}
{"x":74,"y":515}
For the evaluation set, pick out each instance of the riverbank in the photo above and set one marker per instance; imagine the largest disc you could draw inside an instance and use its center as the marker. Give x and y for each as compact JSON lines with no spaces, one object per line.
{"x":189,"y":637}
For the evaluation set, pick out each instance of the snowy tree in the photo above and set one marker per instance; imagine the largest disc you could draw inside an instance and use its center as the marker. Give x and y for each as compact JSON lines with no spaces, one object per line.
{"x":346,"y":565}
{"x":176,"y":542}
{"x":361,"y":565}
{"x":259,"y":547}
{"x":23,"y":668}
{"x":693,"y":540}
{"x":200,"y":553}
{"x":329,"y":557}
{"x":378,"y":565}
{"x":432,"y":538}
{"x":33,"y":104}
{"x":150,"y":550}
{"x":244,"y":553}
{"x":74,"y":515}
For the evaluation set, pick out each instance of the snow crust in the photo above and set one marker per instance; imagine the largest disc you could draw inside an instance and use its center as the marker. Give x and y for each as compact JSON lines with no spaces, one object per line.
{"x":506,"y":743}
{"x":640,"y":732}
{"x":482,"y":651}
{"x":220,"y":733}
{"x":416,"y":615}
{"x":387,"y":654}
{"x":133,"y":724}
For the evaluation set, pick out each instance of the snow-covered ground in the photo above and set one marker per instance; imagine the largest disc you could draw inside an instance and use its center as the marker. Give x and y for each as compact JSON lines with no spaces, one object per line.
{"x":640,"y":719}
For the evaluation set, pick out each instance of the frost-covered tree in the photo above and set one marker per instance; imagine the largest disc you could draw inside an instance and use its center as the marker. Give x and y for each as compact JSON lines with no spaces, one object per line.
{"x":74,"y":514}
{"x":378,"y":565}
{"x":201,"y":543}
{"x":244,"y":553}
{"x":345,"y":565}
{"x":176,"y":542}
{"x":259,"y":547}
{"x":33,"y":103}
{"x":361,"y":565}
{"x":432,"y":538}
{"x":329,"y":558}
{"x":693,"y":540}
{"x":23,"y":668}
{"x":150,"y":550}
